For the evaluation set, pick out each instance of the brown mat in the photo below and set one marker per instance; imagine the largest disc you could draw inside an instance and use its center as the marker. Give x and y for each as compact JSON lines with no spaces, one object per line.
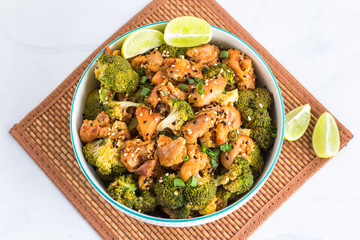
{"x":44,"y":134}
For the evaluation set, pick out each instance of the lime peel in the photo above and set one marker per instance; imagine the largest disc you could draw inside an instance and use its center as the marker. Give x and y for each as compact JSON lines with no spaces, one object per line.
{"x":296,"y":122}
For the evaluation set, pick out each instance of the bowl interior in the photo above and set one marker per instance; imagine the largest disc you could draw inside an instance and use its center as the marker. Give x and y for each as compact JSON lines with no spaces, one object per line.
{"x":222,"y":39}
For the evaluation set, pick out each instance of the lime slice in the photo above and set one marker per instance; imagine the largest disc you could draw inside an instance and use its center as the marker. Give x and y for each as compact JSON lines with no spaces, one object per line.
{"x":296,"y":122}
{"x":187,"y":32}
{"x":141,"y":41}
{"x":326,"y":139}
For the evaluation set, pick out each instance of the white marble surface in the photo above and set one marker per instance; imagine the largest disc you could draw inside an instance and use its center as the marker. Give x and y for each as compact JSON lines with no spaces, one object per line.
{"x":43,"y":41}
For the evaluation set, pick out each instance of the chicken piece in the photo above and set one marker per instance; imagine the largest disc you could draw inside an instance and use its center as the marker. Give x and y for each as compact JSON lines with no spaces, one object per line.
{"x":181,"y":69}
{"x":150,"y":63}
{"x":163,"y":140}
{"x":242,"y":146}
{"x":119,"y":130}
{"x":228,"y":120}
{"x":212,"y":106}
{"x":147,"y":121}
{"x":100,"y":127}
{"x":135,"y":152}
{"x":147,"y":182}
{"x":198,"y":126}
{"x":243,"y":68}
{"x":197,"y":161}
{"x":209,"y":139}
{"x":207,"y":54}
{"x":212,"y":89}
{"x":172,"y":153}
{"x":161,"y":94}
{"x":159,"y":77}
{"x":146,"y":168}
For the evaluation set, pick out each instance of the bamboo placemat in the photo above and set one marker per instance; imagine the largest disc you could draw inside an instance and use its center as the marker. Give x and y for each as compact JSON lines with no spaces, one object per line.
{"x":44,"y":133}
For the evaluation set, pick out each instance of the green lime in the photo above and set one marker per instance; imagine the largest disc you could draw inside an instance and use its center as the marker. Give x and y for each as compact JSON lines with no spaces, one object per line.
{"x":141,"y":41}
{"x":187,"y":32}
{"x":326,"y":138}
{"x":296,"y":122}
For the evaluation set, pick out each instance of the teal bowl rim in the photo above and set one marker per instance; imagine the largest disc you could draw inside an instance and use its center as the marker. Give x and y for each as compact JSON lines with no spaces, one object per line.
{"x":156,"y":219}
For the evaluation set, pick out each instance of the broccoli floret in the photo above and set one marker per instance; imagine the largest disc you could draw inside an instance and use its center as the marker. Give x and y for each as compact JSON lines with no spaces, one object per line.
{"x":220,"y":70}
{"x":222,"y":196}
{"x":123,"y":190}
{"x":182,"y":212}
{"x":180,"y":112}
{"x":106,"y":94}
{"x":239,"y":179}
{"x":167,"y":194}
{"x":115,"y":72}
{"x":146,"y":202}
{"x":209,"y":208}
{"x":263,"y":137}
{"x":93,"y":105}
{"x":253,"y":107}
{"x":105,"y":156}
{"x":256,"y":161}
{"x":117,"y":109}
{"x":263,"y":98}
{"x":199,"y":196}
{"x":171,"y":51}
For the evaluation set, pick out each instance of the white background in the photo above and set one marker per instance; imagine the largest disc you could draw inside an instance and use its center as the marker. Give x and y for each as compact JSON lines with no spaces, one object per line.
{"x":42,"y":42}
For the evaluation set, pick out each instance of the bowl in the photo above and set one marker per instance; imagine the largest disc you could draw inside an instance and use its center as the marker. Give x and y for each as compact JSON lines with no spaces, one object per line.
{"x":223,"y":39}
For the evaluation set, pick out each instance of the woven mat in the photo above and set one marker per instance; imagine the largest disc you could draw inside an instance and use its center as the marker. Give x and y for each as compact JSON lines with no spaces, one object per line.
{"x":44,"y":134}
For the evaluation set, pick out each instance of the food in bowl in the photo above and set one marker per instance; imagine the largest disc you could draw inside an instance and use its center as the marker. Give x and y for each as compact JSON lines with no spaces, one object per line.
{"x":177,"y":132}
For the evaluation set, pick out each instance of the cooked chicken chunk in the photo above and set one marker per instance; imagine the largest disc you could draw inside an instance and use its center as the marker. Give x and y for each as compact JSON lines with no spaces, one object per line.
{"x":98,"y":128}
{"x":181,"y":69}
{"x":207,"y":54}
{"x":146,"y":168}
{"x":228,"y":120}
{"x":135,"y":152}
{"x":119,"y":130}
{"x":147,"y":182}
{"x":147,"y":121}
{"x":172,"y":153}
{"x":243,"y":67}
{"x":242,"y":146}
{"x":209,"y":138}
{"x":197,"y":161}
{"x":212,"y":89}
{"x":150,"y":63}
{"x":195,"y":128}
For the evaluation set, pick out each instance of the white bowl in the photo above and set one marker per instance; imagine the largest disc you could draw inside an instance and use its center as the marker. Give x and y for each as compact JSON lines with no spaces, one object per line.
{"x":264,"y":78}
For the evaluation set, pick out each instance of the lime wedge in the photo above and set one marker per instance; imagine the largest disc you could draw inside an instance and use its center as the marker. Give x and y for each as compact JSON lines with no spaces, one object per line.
{"x":326,"y":139}
{"x":141,"y":41}
{"x":187,"y":32}
{"x":296,"y":122}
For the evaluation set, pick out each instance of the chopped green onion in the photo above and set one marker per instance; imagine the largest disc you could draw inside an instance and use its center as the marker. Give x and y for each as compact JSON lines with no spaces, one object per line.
{"x":216,"y":152}
{"x":204,"y":68}
{"x":162,"y":133}
{"x":164,"y":93}
{"x":273,"y":135}
{"x":102,"y":142}
{"x":140,"y":72}
{"x":145,"y":91}
{"x":198,"y":80}
{"x":178,"y":182}
{"x":214,"y":163}
{"x":143,"y":80}
{"x":200,"y":88}
{"x":204,"y":149}
{"x":233,"y":135}
{"x":191,"y":81}
{"x":186,"y":158}
{"x":225,"y":147}
{"x":193,"y":181}
{"x":224,"y":54}
{"x":223,"y":92}
{"x":175,"y":137}
{"x":182,"y":87}
{"x":272,"y":129}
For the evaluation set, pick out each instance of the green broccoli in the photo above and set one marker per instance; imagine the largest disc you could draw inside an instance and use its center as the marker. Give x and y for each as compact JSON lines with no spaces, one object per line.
{"x":146,"y":202}
{"x":239,"y":179}
{"x":105,"y":156}
{"x":123,"y":190}
{"x":222,"y":196}
{"x":106,"y":94}
{"x":199,"y":196}
{"x":171,"y":51}
{"x":220,"y":70}
{"x":228,"y":97}
{"x":182,"y":212}
{"x":180,"y":112}
{"x":263,"y":98}
{"x":93,"y":105}
{"x":256,"y":161}
{"x":118,"y":109}
{"x":167,"y":194}
{"x":209,"y":208}
{"x":116,"y":73}
{"x":263,"y":137}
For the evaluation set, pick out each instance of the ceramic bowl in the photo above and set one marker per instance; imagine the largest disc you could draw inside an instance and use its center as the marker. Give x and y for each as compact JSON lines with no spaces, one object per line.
{"x":225,"y":40}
